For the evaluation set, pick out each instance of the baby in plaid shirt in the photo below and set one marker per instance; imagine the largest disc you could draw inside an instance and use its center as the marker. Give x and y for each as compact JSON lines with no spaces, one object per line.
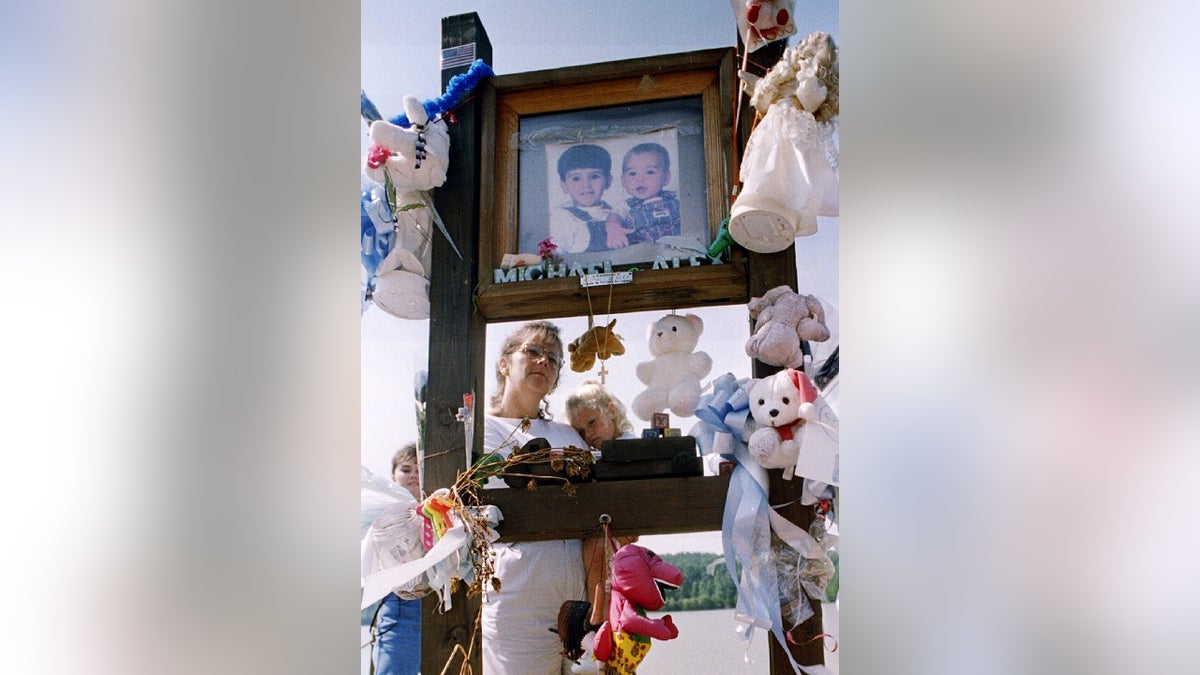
{"x":653,"y":211}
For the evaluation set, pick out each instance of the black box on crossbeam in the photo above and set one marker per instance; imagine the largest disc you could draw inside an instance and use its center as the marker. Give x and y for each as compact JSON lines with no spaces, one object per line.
{"x":633,"y":458}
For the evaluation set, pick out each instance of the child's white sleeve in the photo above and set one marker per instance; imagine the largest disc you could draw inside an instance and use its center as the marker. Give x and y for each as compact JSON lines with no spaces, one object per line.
{"x":568,"y":232}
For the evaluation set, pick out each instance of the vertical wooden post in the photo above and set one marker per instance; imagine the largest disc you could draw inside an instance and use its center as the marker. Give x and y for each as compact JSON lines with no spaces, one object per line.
{"x":456,"y":332}
{"x":766,"y":271}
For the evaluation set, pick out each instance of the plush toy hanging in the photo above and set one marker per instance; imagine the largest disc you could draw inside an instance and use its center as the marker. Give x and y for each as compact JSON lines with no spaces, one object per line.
{"x":672,"y":377}
{"x":781,"y":404}
{"x":784,"y":319}
{"x":408,"y":158}
{"x":789,"y":173}
{"x":797,"y":430}
{"x":597,"y":342}
{"x":761,"y":22}
{"x":408,"y":163}
{"x":638,"y":579}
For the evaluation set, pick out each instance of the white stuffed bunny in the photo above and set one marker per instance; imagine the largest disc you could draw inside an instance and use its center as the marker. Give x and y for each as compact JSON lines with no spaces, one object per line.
{"x":414,"y":160}
{"x":416,"y":157}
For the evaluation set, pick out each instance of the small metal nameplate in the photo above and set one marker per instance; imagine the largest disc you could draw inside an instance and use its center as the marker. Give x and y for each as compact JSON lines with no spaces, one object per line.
{"x":606,"y":278}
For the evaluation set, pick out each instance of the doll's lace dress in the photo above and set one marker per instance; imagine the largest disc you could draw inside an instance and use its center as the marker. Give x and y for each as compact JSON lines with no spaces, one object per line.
{"x":789,"y":176}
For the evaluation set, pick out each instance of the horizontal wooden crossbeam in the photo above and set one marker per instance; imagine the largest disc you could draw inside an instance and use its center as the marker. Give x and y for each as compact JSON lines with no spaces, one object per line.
{"x":649,"y":506}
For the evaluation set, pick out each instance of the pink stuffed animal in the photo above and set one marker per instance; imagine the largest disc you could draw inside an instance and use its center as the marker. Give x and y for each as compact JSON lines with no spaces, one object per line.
{"x":783,"y":319}
{"x":638,"y":577}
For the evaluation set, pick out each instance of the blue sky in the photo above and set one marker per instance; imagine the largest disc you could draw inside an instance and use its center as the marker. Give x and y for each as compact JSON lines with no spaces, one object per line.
{"x":401,"y":41}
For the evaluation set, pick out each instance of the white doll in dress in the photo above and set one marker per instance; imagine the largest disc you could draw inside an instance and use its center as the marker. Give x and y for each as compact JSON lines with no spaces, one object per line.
{"x":790,"y":173}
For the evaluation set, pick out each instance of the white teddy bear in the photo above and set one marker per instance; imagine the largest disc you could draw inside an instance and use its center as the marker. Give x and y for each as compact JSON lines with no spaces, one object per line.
{"x":673,"y":375}
{"x":781,"y":404}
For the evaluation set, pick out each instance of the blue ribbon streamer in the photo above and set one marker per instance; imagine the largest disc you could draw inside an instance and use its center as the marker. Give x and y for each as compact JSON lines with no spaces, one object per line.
{"x":746,"y":539}
{"x":367,"y":109}
{"x":376,"y":235}
{"x":456,"y":89}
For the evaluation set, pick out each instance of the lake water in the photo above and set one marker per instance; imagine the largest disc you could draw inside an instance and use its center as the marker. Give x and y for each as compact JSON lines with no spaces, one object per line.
{"x":707,"y":643}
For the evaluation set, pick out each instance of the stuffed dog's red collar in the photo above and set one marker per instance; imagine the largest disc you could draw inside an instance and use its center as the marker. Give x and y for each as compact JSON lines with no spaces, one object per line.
{"x":786,"y":433}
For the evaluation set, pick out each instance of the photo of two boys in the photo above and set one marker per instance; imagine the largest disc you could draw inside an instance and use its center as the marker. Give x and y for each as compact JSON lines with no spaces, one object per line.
{"x":591,"y":210}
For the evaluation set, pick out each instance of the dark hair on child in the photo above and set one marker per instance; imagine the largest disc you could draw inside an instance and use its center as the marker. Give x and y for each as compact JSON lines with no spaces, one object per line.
{"x":407,"y":452}
{"x":664,"y":159}
{"x":584,"y":157}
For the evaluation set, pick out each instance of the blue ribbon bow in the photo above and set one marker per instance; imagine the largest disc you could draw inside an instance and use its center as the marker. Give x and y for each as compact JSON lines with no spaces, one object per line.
{"x":723,"y":411}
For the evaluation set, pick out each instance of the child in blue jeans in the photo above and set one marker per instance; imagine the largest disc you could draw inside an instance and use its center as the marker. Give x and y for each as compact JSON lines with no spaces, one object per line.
{"x":398,"y":622}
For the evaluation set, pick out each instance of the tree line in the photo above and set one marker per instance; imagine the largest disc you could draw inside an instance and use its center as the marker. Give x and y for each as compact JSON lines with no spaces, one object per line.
{"x":699,"y":590}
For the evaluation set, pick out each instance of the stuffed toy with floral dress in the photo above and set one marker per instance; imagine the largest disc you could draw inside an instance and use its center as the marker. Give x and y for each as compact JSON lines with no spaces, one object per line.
{"x":638,"y":580}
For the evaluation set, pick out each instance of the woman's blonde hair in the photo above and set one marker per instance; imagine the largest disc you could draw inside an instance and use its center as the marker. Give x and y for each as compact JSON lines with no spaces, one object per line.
{"x":592,"y":394}
{"x":540,"y":331}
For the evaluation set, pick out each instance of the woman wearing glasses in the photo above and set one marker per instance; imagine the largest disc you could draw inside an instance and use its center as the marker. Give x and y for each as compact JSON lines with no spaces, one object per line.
{"x":536,"y":576}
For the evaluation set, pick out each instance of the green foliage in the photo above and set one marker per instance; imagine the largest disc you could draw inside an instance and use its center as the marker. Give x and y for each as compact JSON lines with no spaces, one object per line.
{"x":699,"y":590}
{"x":831,"y":590}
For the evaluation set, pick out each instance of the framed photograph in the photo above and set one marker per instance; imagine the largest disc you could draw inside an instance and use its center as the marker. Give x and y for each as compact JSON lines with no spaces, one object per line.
{"x":616,"y":198}
{"x":622,"y":166}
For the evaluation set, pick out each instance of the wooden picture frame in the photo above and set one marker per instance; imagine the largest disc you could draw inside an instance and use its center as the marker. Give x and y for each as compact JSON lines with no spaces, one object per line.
{"x":529,"y":117}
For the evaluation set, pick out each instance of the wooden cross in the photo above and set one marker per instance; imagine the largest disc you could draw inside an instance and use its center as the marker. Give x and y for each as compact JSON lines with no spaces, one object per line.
{"x":457,"y":335}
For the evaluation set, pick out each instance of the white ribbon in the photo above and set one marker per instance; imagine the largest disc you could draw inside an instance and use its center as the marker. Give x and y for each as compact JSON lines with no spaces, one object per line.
{"x":746,"y":536}
{"x":376,"y":586}
{"x":454,"y":542}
